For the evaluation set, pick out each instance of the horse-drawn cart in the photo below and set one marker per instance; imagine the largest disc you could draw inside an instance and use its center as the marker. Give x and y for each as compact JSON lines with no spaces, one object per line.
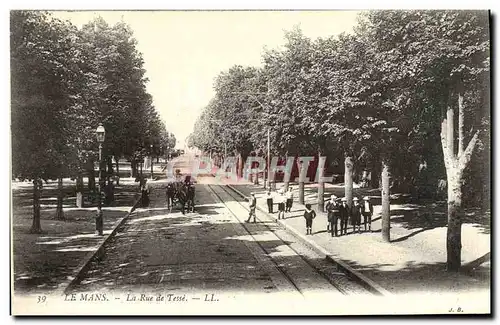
{"x":180,"y":192}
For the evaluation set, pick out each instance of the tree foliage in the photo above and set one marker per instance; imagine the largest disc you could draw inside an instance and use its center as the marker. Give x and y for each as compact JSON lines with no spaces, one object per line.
{"x":64,"y":82}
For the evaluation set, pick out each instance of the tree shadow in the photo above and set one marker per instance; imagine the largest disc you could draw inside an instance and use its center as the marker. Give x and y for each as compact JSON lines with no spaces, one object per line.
{"x":189,"y":252}
{"x":409,"y":235}
{"x":411,"y":216}
{"x":413,"y":277}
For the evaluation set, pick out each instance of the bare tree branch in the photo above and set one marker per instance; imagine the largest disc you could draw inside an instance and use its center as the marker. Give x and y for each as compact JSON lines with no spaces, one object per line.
{"x":464,"y":159}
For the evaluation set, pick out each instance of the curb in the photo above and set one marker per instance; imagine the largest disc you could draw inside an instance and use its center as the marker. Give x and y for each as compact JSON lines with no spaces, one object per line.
{"x":83,"y":267}
{"x":369,"y":284}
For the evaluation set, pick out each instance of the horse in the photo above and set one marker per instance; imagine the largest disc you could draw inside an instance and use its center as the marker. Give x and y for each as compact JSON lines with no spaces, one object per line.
{"x":170,"y":194}
{"x":190,"y":198}
{"x":181,"y":193}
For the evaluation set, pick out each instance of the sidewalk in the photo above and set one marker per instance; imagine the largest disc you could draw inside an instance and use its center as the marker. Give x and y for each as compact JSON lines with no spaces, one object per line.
{"x":42,"y":263}
{"x":414,"y":261}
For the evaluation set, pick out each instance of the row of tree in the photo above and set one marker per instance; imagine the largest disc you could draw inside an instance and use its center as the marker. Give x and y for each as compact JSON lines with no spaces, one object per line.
{"x":405,"y":96}
{"x":65,"y":81}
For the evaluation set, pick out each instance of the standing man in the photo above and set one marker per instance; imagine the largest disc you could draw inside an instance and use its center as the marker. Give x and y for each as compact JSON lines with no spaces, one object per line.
{"x":330,"y":207}
{"x":344,"y":216}
{"x":367,"y":211}
{"x":269,"y":199}
{"x":145,"y":190}
{"x":289,"y":199}
{"x":356,"y":215}
{"x":253,"y":205}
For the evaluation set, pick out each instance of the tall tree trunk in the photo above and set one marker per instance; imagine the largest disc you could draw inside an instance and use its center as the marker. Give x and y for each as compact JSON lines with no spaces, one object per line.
{"x":455,"y":165}
{"x":364,"y":178}
{"x":375,"y":177}
{"x":141,"y":163}
{"x":60,"y":198}
{"x":454,"y":231}
{"x":321,"y":187}
{"x":286,"y":182}
{"x":36,"y":227}
{"x":244,"y":174}
{"x":79,"y":191}
{"x":349,"y":166}
{"x":386,"y":201}
{"x":133,"y":168}
{"x":239,"y":169}
{"x":301,"y":192}
{"x":109,"y":169}
{"x":91,"y":176}
{"x":117,"y":170}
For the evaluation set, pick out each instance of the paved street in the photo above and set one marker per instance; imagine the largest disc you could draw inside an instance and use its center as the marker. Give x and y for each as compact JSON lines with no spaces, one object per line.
{"x":207,"y":251}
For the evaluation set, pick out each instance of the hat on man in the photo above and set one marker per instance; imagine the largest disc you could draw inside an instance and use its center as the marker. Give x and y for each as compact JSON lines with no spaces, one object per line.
{"x":366,"y":198}
{"x":344,"y":199}
{"x":333,"y":197}
{"x":252,"y":193}
{"x":355,"y":199}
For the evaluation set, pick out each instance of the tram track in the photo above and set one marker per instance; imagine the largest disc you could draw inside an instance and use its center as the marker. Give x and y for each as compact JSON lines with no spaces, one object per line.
{"x":291,"y":269}
{"x":328,"y":271}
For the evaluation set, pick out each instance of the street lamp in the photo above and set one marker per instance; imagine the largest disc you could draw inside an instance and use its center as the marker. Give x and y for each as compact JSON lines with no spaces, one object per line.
{"x":151,"y":161}
{"x":101,"y":135}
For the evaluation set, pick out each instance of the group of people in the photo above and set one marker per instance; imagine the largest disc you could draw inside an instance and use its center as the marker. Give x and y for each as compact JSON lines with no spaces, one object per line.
{"x":339,"y":212}
{"x":284,"y":200}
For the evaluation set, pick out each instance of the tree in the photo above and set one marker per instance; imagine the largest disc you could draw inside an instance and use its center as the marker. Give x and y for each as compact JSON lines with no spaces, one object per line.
{"x":42,"y":71}
{"x":440,"y":60}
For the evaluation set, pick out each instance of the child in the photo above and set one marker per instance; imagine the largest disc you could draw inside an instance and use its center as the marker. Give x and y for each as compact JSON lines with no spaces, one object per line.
{"x":289,"y":200}
{"x":309,"y":215}
{"x":281,"y":205}
{"x":269,"y":202}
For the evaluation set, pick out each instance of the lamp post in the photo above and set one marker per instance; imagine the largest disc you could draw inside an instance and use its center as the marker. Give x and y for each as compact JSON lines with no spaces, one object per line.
{"x":141,"y":163}
{"x":101,"y":134}
{"x":151,"y":146}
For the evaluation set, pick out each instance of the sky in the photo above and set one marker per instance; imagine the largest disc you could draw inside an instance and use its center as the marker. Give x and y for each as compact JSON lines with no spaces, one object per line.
{"x":185,"y":50}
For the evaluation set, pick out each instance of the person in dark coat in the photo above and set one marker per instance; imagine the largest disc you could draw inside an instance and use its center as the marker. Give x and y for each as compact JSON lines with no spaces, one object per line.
{"x":356,"y":215}
{"x":289,"y":199}
{"x":344,"y":216}
{"x":309,"y":215}
{"x":367,"y":212}
{"x":333,"y":215}
{"x":145,"y":193}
